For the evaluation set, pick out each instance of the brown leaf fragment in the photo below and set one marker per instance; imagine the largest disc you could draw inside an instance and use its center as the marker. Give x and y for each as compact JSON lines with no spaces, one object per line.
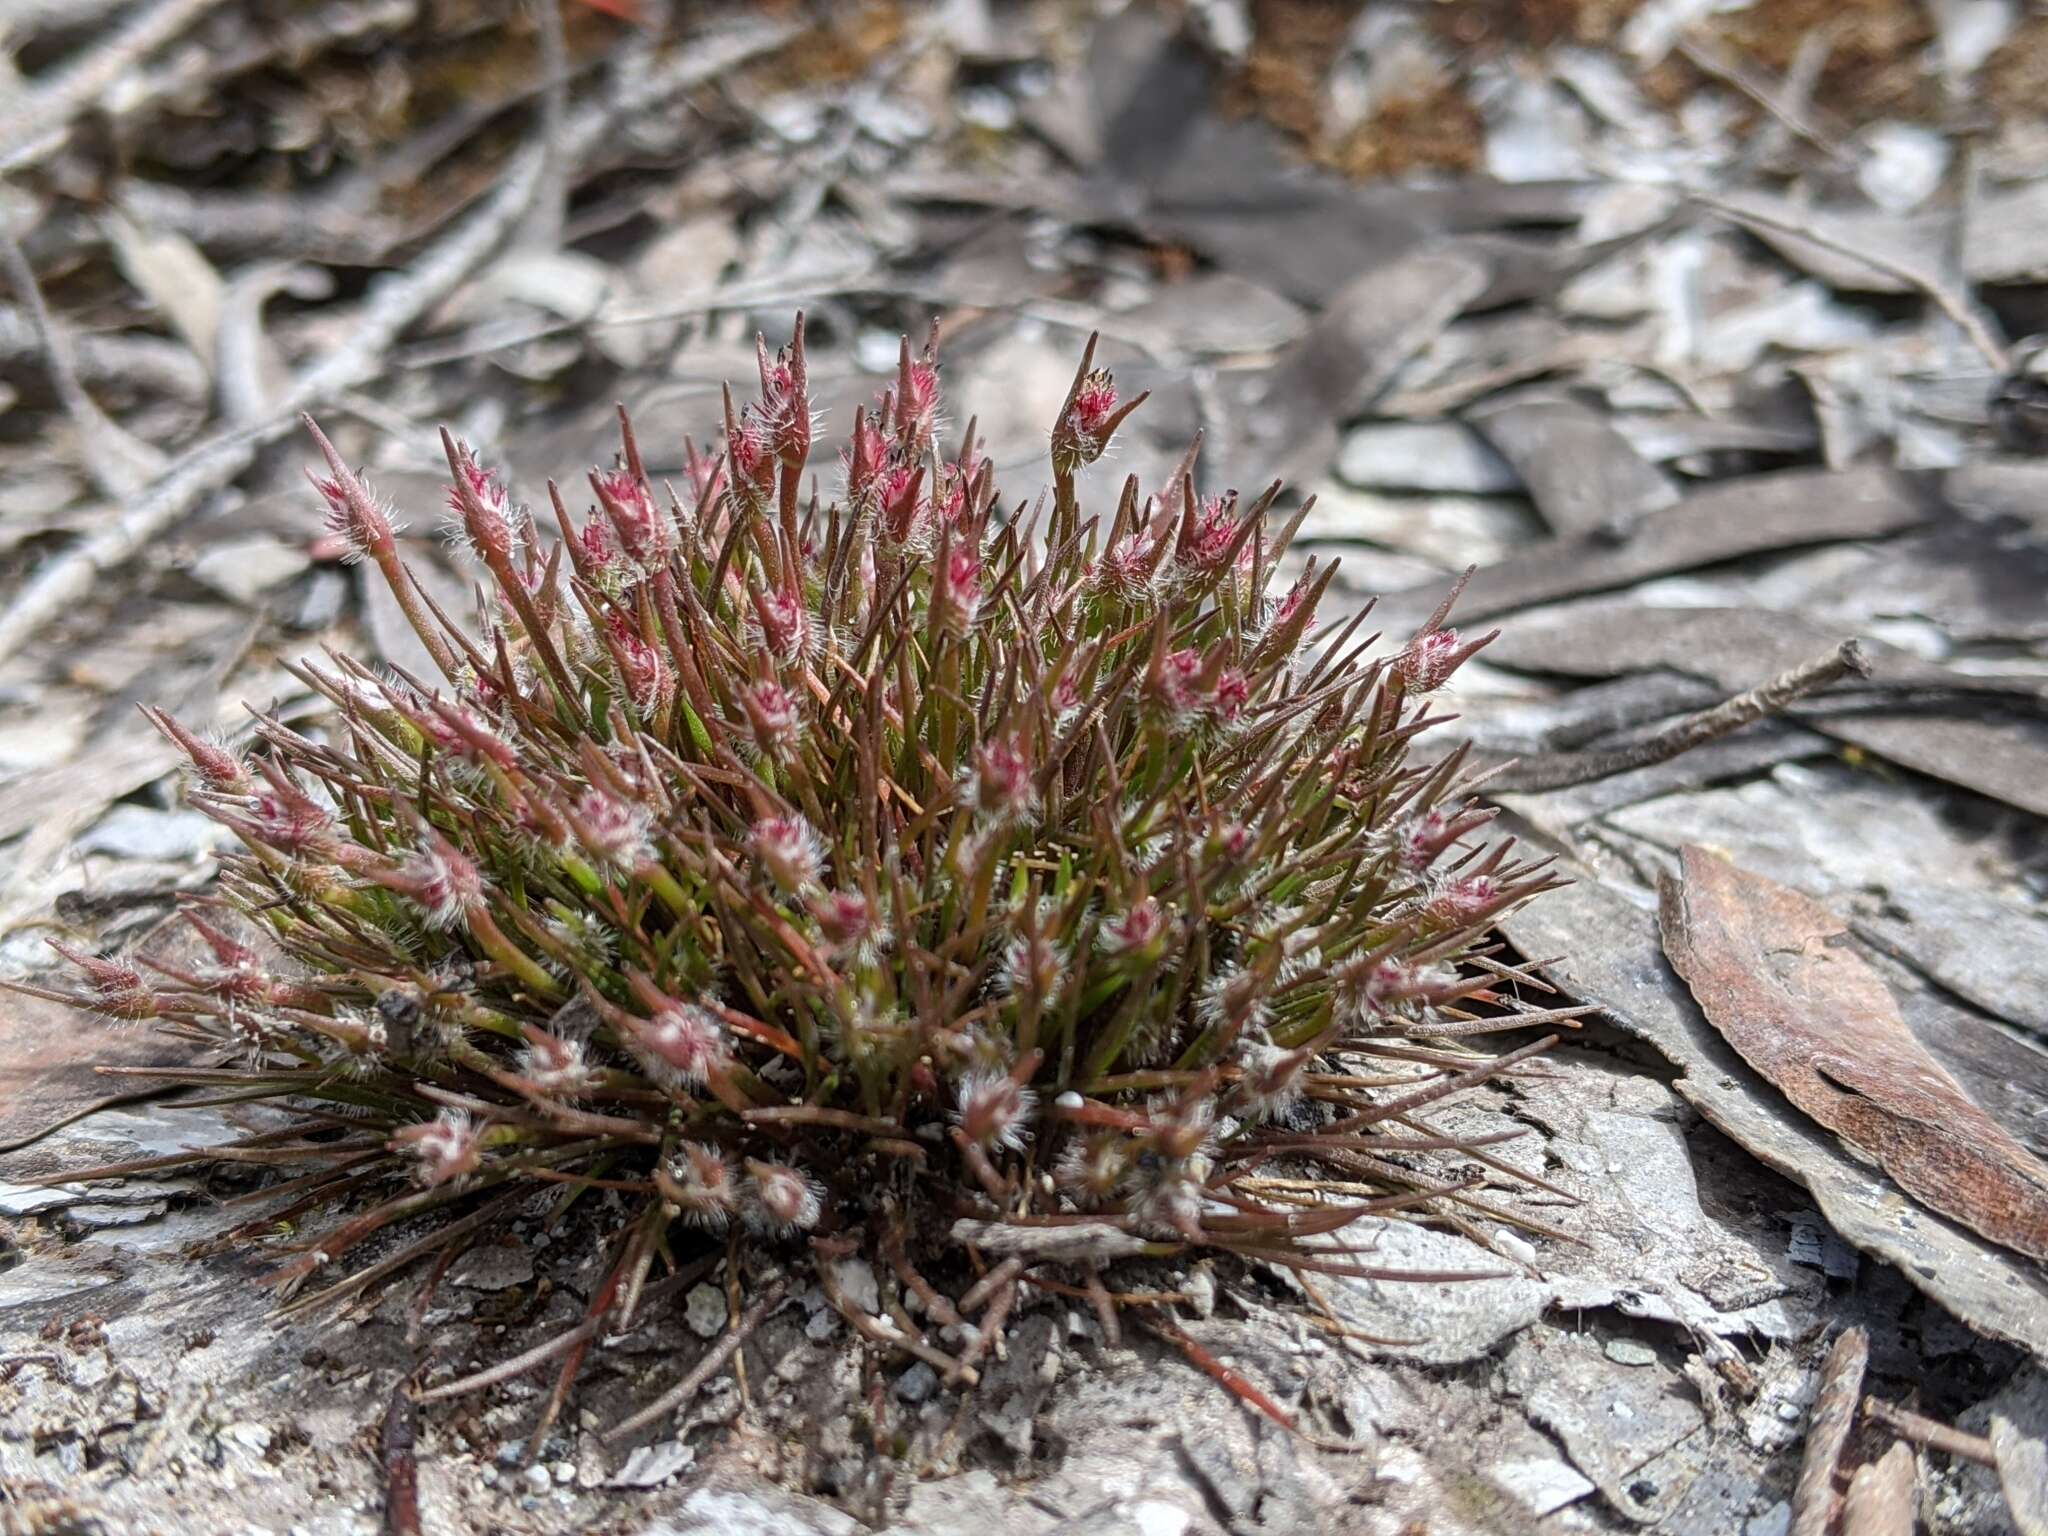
{"x":1882,"y":1496}
{"x":1773,"y":972}
{"x":1834,"y":1411}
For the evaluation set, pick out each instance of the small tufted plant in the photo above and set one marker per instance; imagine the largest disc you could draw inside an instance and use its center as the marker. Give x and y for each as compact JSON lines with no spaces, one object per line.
{"x":984,"y":888}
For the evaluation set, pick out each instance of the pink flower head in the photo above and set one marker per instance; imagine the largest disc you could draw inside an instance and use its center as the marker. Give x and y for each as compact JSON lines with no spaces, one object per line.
{"x":1232,"y":839}
{"x":1127,"y":569}
{"x":753,"y":459}
{"x":611,"y":830}
{"x":993,"y":1110}
{"x":682,"y":1044}
{"x":1293,"y":604}
{"x":1178,"y":686}
{"x":785,"y":630}
{"x":915,"y":403}
{"x":217,"y":767}
{"x":480,"y":513}
{"x":440,"y":880}
{"x":775,"y":717}
{"x":446,"y":1147}
{"x":1135,"y":931}
{"x":1093,"y":1169}
{"x":956,"y":588}
{"x":1465,"y":899}
{"x":1428,"y":663}
{"x":1066,"y":693}
{"x":1232,"y":693}
{"x":650,"y":683}
{"x":553,"y":1065}
{"x":782,"y":1200}
{"x":355,"y":519}
{"x":1369,"y":991}
{"x":906,"y":514}
{"x":949,"y":497}
{"x":645,"y":532}
{"x":789,"y":851}
{"x":704,"y":1185}
{"x":1271,"y":1080}
{"x":597,"y":542}
{"x":1032,"y":967}
{"x":1423,"y":840}
{"x":1001,"y":786}
{"x":848,"y":921}
{"x":114,"y":987}
{"x":864,"y":457}
{"x":1089,"y":417}
{"x":785,"y":408}
{"x":285,"y":819}
{"x":1205,"y":544}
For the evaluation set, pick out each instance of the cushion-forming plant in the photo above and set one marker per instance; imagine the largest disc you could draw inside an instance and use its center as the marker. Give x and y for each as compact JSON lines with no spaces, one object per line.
{"x":991,"y":890}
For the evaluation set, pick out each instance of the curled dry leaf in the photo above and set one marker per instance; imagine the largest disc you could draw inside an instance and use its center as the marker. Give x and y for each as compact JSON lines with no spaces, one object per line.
{"x":1774,"y":974}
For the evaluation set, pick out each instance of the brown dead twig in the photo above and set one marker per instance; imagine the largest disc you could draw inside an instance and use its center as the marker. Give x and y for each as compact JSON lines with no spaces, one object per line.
{"x":1557,"y":770}
{"x":392,"y":307}
{"x":1814,"y":1499}
{"x":1932,"y":1433}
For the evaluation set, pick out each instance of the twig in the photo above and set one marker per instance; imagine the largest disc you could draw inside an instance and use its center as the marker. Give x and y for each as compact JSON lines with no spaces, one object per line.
{"x":138,"y":362}
{"x":401,"y":1465}
{"x":1957,"y":307}
{"x":1782,"y":105}
{"x":394,"y":304}
{"x":1834,"y":1411}
{"x":542,"y":227}
{"x":39,"y":124}
{"x":1557,"y":770}
{"x":1932,"y":1433}
{"x":713,"y":1361}
{"x":118,"y":463}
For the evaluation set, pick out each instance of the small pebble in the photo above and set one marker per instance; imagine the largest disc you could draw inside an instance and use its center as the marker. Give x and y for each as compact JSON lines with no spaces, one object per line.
{"x":536,"y":1478}
{"x":917,"y":1383}
{"x":1629,"y":1352}
{"x":704,"y":1310}
{"x":1514,"y":1247}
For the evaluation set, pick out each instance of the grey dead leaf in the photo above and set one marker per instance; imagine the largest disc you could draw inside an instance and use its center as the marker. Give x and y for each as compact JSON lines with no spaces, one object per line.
{"x":1582,"y":474}
{"x":1749,"y":516}
{"x":173,"y":274}
{"x":1772,"y":971}
{"x":1988,"y":1287}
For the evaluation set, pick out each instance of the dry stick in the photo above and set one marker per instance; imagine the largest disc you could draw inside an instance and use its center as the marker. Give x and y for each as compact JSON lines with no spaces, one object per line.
{"x":1786,"y":106}
{"x":39,"y":124}
{"x":1957,"y":307}
{"x":394,"y":304}
{"x":1932,"y":1433}
{"x":131,"y":463}
{"x":1834,"y":1411}
{"x":1556,"y":770}
{"x":401,"y":1465}
{"x":541,"y":229}
{"x":713,"y":1361}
